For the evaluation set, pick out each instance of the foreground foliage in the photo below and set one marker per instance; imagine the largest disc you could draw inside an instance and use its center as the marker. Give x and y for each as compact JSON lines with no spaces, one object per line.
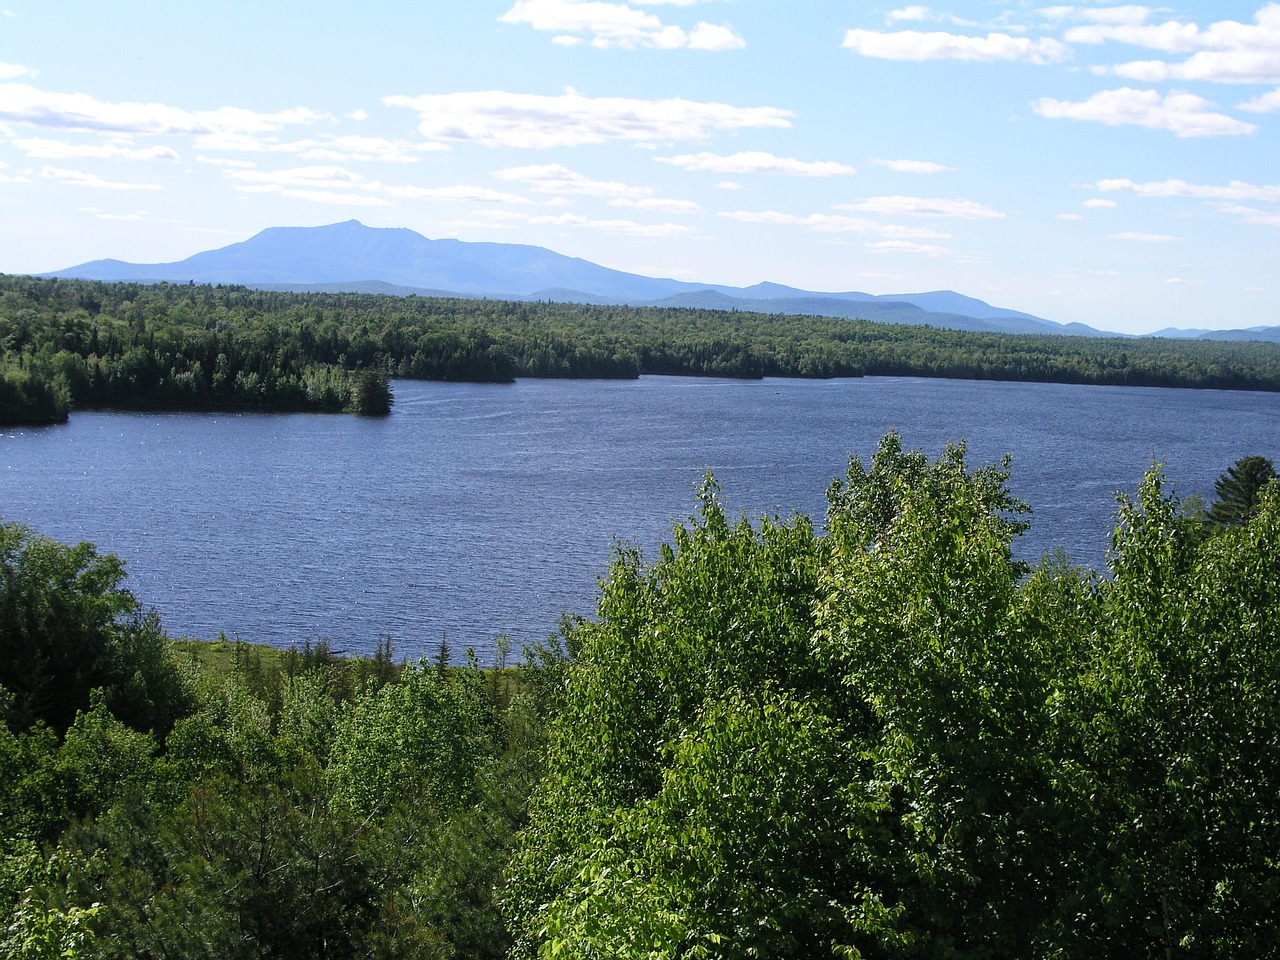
{"x":890,"y":741}
{"x":883,"y":739}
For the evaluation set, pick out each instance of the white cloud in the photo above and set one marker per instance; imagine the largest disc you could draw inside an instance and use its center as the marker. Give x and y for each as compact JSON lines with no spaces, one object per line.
{"x":913,"y":13}
{"x":659,"y":205}
{"x":138,"y":216}
{"x":756,"y":162}
{"x":1164,"y":189}
{"x":1136,"y":237}
{"x":78,"y":178}
{"x":1097,"y":203}
{"x":917,"y":45}
{"x":43,"y":149}
{"x":1227,"y":51}
{"x":352,"y":148}
{"x":327,"y":148}
{"x":21,"y":103}
{"x":1266,"y":218}
{"x":1263,"y":103}
{"x":1183,"y":114}
{"x":923,"y":207}
{"x":912,"y":166}
{"x":496,"y":118}
{"x":729,"y":185}
{"x":606,"y":25}
{"x":1129,"y":14}
{"x":11,"y":71}
{"x":1174,"y":36}
{"x":1215,"y":66}
{"x":226,"y":162}
{"x":461,"y":192}
{"x":907,"y":246}
{"x":624,"y":227}
{"x":336,"y":185}
{"x":833,"y":223}
{"x":556,"y":178}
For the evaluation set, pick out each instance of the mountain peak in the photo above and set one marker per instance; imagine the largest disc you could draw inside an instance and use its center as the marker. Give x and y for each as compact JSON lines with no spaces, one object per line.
{"x":351,"y":255}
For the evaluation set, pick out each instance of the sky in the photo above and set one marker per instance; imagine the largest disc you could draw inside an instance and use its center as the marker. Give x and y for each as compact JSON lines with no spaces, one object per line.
{"x":1114,"y":165}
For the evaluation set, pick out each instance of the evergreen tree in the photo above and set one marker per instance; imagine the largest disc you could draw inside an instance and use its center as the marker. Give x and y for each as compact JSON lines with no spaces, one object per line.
{"x":1239,"y":490}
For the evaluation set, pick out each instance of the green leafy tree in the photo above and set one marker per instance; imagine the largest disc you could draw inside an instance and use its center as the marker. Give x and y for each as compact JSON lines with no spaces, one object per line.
{"x":68,"y":625}
{"x":1179,"y":738}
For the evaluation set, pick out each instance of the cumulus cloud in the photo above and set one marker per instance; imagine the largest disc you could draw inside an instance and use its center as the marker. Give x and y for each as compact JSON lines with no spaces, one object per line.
{"x":624,"y":227}
{"x":225,"y":162}
{"x":907,"y":246}
{"x":1164,"y":189}
{"x":1097,"y":203}
{"x":43,"y":149}
{"x":79,"y":178}
{"x":1129,"y":14}
{"x":1266,"y":218}
{"x":21,"y":103}
{"x":1136,"y":237}
{"x":337,"y":185}
{"x":832,"y":223}
{"x":1227,"y":51}
{"x":1183,"y":114}
{"x":557,"y":178}
{"x":495,"y":118}
{"x":660,"y":205}
{"x":756,"y":162}
{"x":1264,"y":103}
{"x":914,"y":13}
{"x":912,"y":166}
{"x":934,"y":45}
{"x":923,"y":207}
{"x":10,"y":71}
{"x":606,"y":25}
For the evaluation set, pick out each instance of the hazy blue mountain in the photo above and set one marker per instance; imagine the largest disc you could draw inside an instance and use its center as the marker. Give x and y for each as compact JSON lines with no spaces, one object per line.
{"x":351,"y":256}
{"x":1271,"y":334}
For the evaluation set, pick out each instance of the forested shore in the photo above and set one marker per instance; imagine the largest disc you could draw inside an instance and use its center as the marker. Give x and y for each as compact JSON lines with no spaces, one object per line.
{"x":67,"y":344}
{"x":880,"y":737}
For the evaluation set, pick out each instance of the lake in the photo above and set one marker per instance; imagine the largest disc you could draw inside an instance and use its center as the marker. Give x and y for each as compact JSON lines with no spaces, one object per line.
{"x":479,"y":509}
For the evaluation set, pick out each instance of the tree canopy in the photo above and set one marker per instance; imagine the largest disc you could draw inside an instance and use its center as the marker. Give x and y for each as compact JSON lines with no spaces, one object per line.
{"x":76,"y":343}
{"x":880,"y":737}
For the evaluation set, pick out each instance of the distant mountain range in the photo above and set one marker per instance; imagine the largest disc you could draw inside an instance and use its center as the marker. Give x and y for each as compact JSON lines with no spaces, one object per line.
{"x":355,"y":258}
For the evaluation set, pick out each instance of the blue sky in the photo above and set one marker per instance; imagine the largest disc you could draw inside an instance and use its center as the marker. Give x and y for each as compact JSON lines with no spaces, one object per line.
{"x":1114,"y":165}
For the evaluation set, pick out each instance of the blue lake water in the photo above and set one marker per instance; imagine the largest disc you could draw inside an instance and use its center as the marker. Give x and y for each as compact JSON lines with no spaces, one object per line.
{"x":475,"y":509}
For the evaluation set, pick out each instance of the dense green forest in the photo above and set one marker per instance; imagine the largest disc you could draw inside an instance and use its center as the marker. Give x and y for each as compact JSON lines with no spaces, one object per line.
{"x":882,"y":738}
{"x":73,"y":343}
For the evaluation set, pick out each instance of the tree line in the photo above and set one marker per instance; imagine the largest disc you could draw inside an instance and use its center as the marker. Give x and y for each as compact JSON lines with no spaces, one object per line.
{"x":74,"y":343}
{"x":881,"y":738}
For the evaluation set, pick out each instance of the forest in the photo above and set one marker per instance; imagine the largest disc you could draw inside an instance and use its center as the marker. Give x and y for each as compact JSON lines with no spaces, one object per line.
{"x":873,"y":735}
{"x":74,"y":344}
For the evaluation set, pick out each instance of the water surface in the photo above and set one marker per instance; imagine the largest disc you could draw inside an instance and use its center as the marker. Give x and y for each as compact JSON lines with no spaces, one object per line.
{"x":479,"y":509}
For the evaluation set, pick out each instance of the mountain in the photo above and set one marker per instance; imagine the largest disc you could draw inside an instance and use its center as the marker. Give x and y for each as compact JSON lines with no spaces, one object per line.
{"x":353,"y":257}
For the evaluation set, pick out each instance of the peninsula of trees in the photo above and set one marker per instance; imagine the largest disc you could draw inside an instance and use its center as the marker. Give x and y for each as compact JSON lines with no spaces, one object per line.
{"x":67,"y":344}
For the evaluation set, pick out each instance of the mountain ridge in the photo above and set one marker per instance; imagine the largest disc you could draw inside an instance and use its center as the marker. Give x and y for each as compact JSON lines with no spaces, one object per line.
{"x":352,"y":257}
